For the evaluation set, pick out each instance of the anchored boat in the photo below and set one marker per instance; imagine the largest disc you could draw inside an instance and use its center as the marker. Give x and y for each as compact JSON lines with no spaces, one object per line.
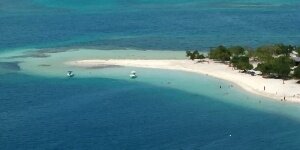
{"x":70,"y":74}
{"x":133,"y":75}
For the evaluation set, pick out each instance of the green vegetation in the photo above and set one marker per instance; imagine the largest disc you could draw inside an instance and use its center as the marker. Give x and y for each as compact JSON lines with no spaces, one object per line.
{"x":273,"y":60}
{"x":250,"y":53}
{"x":297,"y":72}
{"x":281,"y":49}
{"x":268,"y":52}
{"x":188,"y":53}
{"x":278,"y":67}
{"x":264,"y":53}
{"x":298,"y":51}
{"x":220,"y":53}
{"x":194,"y":55}
{"x":201,"y":56}
{"x":241,"y":63}
{"x":282,"y":66}
{"x":237,"y":50}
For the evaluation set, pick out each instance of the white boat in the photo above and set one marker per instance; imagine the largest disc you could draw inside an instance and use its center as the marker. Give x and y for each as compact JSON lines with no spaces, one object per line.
{"x":133,"y":75}
{"x":70,"y":74}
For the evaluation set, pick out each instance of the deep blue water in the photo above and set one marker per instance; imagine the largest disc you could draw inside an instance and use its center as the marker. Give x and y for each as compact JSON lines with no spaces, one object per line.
{"x":180,"y":25}
{"x":98,"y":113}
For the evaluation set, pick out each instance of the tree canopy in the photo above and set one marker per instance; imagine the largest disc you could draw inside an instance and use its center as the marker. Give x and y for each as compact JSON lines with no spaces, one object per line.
{"x":236,"y":50}
{"x":241,"y":63}
{"x":274,"y":60}
{"x":220,"y":53}
{"x":297,"y":72}
{"x":281,"y":49}
{"x":194,"y":55}
{"x":298,"y":51}
{"x":265,"y":53}
{"x":188,"y":53}
{"x":280,"y":66}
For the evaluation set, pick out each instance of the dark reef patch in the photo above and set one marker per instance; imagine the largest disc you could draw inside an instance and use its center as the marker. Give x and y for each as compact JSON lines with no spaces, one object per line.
{"x":44,"y":65}
{"x":42,"y":53}
{"x":11,"y":66}
{"x":31,"y":55}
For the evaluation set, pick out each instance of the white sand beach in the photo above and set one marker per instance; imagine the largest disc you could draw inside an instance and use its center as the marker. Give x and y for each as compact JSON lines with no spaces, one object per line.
{"x":274,"y":88}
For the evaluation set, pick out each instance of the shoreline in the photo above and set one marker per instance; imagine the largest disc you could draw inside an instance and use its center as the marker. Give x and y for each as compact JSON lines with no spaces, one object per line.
{"x":274,"y":88}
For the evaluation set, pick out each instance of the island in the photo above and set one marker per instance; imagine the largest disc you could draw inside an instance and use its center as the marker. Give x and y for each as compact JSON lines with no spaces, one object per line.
{"x":272,"y":70}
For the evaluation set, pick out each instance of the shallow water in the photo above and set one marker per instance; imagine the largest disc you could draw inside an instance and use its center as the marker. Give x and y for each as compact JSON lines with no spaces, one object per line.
{"x":101,"y":108}
{"x":156,"y":111}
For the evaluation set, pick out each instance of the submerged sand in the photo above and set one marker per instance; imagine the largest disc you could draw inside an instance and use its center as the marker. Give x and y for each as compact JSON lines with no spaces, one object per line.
{"x":272,"y":88}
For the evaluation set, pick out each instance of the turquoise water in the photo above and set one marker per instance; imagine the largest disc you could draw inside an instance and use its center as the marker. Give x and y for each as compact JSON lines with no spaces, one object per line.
{"x":160,"y":110}
{"x":101,"y":108}
{"x":161,"y":25}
